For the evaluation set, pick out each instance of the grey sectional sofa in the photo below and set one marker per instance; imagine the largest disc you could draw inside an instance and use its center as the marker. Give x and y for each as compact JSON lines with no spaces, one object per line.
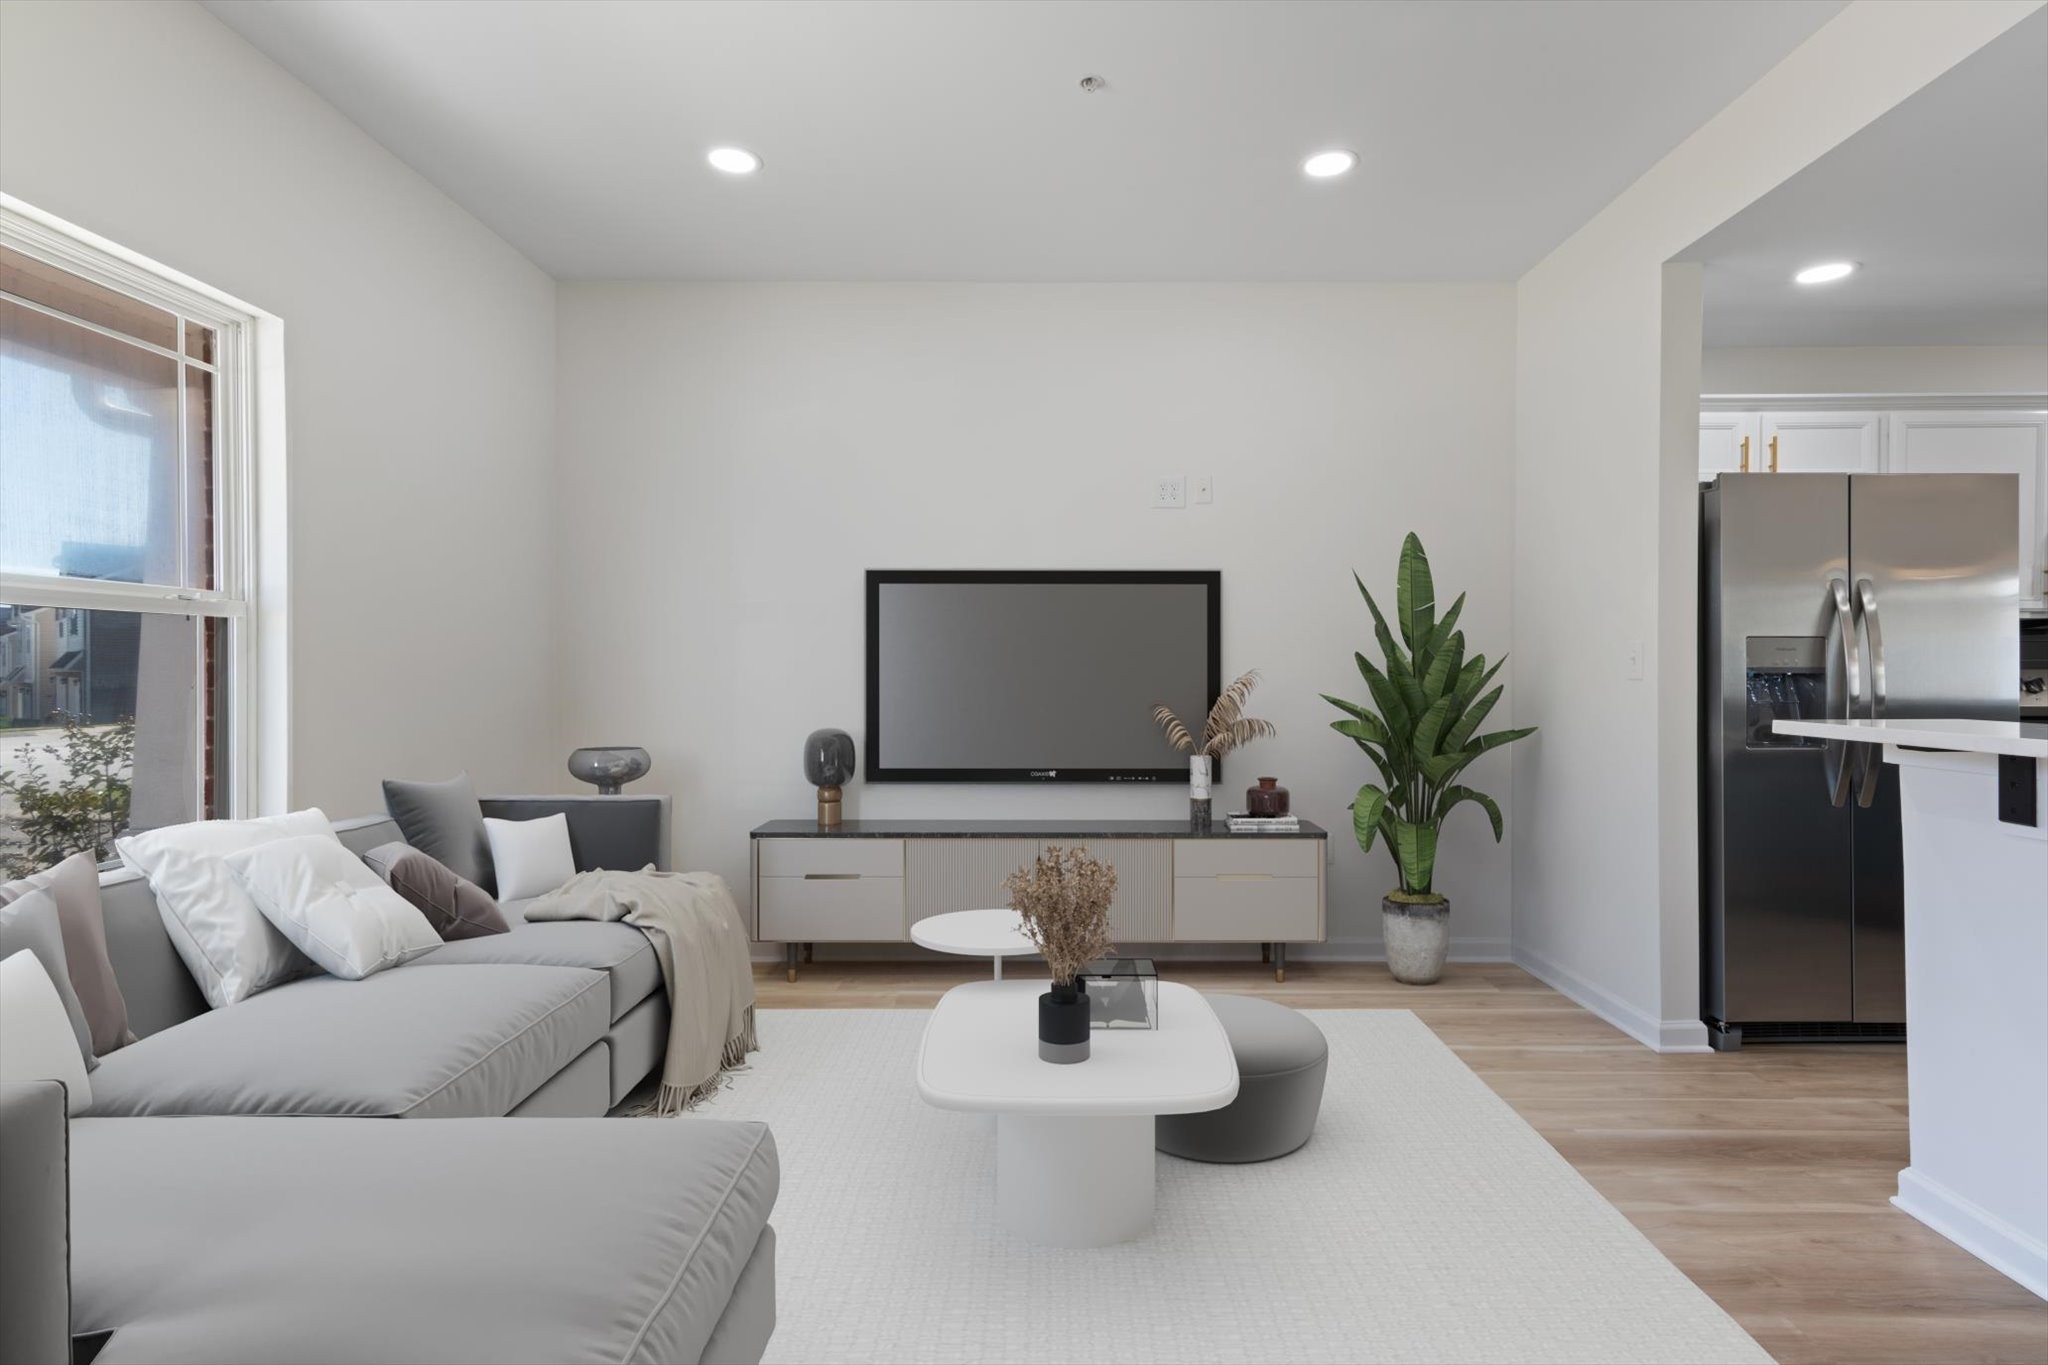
{"x":551,"y":1020}
{"x":473,"y":1238}
{"x":350,"y":1240}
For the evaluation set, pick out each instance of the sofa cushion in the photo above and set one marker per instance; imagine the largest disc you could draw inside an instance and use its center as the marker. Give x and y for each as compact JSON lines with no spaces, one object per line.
{"x":29,"y":924}
{"x":466,"y":1240}
{"x":407,"y":1043}
{"x":530,"y":857}
{"x":75,"y":885}
{"x":616,"y":949}
{"x":444,"y":821}
{"x":456,"y":906}
{"x":333,"y":909}
{"x":230,"y":949}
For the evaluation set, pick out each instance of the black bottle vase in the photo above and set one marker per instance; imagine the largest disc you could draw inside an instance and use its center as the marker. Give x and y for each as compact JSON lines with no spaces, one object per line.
{"x":1063,"y":1024}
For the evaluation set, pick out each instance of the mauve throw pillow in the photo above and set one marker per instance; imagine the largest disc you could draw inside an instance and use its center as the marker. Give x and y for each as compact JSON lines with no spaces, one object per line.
{"x":29,"y":925}
{"x":75,"y":885}
{"x":455,"y":906}
{"x":444,"y":821}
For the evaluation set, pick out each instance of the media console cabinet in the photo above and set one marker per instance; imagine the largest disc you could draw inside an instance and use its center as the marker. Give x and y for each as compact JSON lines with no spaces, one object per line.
{"x":868,"y":881}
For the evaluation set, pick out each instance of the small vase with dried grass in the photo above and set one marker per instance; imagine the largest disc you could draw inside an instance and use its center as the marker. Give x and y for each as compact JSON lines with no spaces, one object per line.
{"x":1063,"y":901}
{"x":1227,"y":728}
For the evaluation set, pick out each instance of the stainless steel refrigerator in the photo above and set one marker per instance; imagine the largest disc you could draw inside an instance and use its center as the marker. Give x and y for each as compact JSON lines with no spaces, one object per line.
{"x":1833,"y":595}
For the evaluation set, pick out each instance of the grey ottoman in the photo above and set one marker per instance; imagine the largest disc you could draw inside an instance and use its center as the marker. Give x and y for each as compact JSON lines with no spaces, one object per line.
{"x":1281,"y":1058}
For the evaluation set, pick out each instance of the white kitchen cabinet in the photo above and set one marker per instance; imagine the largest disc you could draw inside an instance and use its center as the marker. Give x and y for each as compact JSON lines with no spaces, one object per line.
{"x":1986,"y":442}
{"x":1819,"y":442}
{"x":1728,"y":443}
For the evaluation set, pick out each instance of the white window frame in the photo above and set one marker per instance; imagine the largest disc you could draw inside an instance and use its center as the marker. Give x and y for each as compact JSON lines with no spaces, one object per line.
{"x":249,"y":503}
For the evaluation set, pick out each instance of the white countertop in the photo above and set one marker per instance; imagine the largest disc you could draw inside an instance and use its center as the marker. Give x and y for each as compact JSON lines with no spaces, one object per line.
{"x":2026,"y":739}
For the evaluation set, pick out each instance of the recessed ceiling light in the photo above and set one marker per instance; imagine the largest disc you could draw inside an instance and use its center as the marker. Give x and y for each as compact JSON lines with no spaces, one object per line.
{"x":1826,"y":273}
{"x":1323,"y":165}
{"x":733,"y":160}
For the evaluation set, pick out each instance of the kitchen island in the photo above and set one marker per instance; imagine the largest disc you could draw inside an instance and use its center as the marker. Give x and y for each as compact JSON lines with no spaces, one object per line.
{"x":1973,"y":802}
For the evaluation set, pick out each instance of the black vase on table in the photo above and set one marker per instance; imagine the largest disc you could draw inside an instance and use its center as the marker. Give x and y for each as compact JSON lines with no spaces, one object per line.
{"x":1063,"y":1024}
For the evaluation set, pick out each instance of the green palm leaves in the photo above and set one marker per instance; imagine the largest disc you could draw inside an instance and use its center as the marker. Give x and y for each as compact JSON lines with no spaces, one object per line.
{"x":1421,"y":729}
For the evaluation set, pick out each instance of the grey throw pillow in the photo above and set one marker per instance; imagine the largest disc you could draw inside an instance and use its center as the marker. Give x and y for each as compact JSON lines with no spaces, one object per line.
{"x":29,"y":925}
{"x":455,"y":906}
{"x":75,"y":885}
{"x":444,"y":821}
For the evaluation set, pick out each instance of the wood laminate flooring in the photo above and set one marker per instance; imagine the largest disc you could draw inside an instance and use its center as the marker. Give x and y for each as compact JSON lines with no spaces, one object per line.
{"x":1763,"y":1174}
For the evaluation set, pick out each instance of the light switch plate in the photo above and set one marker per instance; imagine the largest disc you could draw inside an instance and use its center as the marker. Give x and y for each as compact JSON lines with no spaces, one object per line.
{"x":1170,"y":491}
{"x":1635,"y":660}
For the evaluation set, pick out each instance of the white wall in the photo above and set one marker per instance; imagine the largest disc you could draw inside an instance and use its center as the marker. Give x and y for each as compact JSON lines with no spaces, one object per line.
{"x":1874,"y":369}
{"x":1606,"y":521}
{"x":419,"y":349}
{"x":734,"y":456}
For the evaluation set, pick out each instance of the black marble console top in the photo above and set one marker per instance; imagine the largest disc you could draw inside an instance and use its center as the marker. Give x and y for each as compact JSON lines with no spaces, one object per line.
{"x":1019,"y":829}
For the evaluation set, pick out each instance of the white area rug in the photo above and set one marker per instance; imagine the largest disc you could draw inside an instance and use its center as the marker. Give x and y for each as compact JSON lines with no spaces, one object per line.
{"x":1425,"y":1221}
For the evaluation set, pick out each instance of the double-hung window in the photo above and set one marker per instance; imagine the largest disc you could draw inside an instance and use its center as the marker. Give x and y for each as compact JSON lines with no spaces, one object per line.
{"x":125,"y":548}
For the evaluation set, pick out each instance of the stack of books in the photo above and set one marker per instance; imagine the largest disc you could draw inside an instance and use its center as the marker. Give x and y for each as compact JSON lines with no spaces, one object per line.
{"x":1243,"y":823}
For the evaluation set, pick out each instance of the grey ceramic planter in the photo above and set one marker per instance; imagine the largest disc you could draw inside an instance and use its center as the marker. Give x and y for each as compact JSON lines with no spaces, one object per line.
{"x":1418,"y":937}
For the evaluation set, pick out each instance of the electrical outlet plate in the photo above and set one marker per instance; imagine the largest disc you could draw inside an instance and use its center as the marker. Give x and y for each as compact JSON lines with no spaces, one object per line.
{"x":1635,"y":660}
{"x":1170,"y":491}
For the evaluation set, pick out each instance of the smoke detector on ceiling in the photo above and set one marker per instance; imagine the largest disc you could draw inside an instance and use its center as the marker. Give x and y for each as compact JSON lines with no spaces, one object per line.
{"x":1092,"y":84}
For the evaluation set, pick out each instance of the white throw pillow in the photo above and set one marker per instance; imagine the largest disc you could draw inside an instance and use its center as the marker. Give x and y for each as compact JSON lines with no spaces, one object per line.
{"x":230,"y":949}
{"x":331,"y":906}
{"x":36,"y":1041}
{"x":532,"y":856}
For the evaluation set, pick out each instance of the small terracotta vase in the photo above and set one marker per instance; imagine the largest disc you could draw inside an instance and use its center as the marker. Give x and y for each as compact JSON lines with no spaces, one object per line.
{"x":1266,"y":800}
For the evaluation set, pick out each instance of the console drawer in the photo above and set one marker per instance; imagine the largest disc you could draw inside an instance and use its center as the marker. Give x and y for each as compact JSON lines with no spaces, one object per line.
{"x":1246,"y":854}
{"x":831,"y":857}
{"x":1247,"y":908}
{"x":829,"y":907}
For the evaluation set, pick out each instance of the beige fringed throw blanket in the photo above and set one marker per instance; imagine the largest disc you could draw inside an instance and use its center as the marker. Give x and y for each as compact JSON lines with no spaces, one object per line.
{"x":706,"y":964}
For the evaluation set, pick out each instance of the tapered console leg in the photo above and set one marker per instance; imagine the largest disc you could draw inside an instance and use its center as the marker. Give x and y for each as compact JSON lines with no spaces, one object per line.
{"x":1279,"y":962}
{"x":790,"y":953}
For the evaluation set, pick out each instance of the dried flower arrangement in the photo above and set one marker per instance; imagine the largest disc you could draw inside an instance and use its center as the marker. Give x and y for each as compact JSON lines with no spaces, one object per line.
{"x":1227,"y":728}
{"x":1063,"y":899}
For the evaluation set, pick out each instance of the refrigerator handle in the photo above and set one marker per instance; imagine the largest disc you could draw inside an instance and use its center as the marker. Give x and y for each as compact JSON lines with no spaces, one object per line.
{"x":1873,"y":644}
{"x":1837,"y":764}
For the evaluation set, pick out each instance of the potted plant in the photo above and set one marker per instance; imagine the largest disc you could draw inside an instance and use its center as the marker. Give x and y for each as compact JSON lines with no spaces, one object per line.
{"x":1227,"y":728}
{"x":1420,"y":731}
{"x":1063,"y":900}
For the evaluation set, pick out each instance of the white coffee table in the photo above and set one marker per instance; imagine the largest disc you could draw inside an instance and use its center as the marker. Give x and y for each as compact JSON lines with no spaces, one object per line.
{"x":975,"y":933}
{"x":1074,"y":1148}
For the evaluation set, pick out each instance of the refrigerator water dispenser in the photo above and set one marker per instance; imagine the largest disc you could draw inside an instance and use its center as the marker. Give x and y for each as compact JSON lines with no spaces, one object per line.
{"x":1786,"y":678}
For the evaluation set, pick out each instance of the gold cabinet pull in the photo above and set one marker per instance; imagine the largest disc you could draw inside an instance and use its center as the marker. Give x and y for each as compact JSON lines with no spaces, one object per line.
{"x":1774,"y":454}
{"x":831,"y":876}
{"x":1745,"y":455}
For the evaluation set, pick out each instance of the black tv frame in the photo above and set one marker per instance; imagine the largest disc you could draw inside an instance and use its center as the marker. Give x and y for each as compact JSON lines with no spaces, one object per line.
{"x":1212,"y":579}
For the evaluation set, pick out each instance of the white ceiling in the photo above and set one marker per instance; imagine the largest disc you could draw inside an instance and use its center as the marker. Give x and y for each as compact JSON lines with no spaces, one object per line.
{"x":1943,"y":203}
{"x":911,"y":140}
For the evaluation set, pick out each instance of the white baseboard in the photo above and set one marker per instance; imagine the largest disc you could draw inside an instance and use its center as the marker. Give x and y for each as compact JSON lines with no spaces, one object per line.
{"x":1659,"y":1035}
{"x":1992,"y":1240}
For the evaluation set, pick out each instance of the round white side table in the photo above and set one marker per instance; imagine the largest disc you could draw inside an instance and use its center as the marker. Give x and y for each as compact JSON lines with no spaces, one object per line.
{"x":975,"y":933}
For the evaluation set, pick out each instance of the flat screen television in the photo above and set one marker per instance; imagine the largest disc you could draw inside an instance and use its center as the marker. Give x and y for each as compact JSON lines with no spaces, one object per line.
{"x":1036,"y":675}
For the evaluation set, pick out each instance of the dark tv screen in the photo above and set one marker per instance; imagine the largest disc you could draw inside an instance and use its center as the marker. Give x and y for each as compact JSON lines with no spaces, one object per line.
{"x":1035,"y":676}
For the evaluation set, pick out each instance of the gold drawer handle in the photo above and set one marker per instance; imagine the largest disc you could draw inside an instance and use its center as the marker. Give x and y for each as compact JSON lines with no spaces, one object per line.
{"x":831,"y":876}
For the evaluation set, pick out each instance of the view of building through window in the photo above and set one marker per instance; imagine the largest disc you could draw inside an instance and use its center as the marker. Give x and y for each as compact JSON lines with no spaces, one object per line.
{"x":110,"y":688}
